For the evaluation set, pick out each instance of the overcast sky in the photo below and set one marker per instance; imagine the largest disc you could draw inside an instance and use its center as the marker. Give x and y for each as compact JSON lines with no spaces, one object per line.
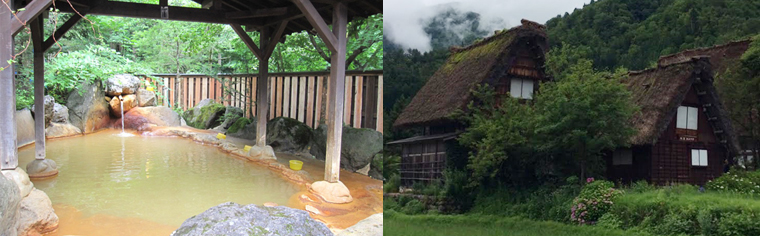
{"x":402,"y":18}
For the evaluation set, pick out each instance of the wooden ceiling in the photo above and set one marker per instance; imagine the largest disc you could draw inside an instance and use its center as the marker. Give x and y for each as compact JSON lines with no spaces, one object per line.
{"x":255,"y":15}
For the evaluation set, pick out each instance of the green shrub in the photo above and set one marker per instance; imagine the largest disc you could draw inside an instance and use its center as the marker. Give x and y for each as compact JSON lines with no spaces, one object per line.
{"x":595,"y":199}
{"x":739,"y":223}
{"x":609,"y":221}
{"x":239,"y":124}
{"x":737,"y":181}
{"x":414,"y":207}
{"x":390,"y":204}
{"x":547,"y":202}
{"x":392,"y":185}
{"x":455,"y":188}
{"x":678,"y":222}
{"x":641,"y":186}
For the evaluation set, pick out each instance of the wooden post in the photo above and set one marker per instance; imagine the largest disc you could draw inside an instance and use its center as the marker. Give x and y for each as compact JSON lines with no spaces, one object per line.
{"x":39,"y":89}
{"x":335,"y":95}
{"x":8,"y":152}
{"x":263,"y":89}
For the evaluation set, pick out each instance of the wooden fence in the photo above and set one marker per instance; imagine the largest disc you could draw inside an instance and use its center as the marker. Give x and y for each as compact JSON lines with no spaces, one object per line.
{"x":301,"y":96}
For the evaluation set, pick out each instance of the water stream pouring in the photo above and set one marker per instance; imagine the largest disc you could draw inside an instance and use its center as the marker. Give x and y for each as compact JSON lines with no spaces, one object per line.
{"x":123,"y":134}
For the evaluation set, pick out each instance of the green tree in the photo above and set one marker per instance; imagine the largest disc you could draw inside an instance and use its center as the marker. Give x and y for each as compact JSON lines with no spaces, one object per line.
{"x":581,"y":115}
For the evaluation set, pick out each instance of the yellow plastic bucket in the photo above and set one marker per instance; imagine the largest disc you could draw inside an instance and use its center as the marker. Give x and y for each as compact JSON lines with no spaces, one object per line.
{"x":150,"y":89}
{"x":221,"y":136}
{"x":296,"y":164}
{"x":247,"y":148}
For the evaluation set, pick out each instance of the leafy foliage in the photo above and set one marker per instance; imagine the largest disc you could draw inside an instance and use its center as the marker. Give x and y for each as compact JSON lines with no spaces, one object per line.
{"x":737,"y":181}
{"x":633,"y":34}
{"x":593,"y":202}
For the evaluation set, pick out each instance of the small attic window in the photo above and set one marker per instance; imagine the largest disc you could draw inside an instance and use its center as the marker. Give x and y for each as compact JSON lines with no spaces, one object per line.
{"x":687,"y":118}
{"x":521,"y":88}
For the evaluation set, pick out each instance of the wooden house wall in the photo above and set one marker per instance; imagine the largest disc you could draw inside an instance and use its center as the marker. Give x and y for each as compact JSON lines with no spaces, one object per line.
{"x":640,"y":167}
{"x":422,"y":161}
{"x":671,"y":156}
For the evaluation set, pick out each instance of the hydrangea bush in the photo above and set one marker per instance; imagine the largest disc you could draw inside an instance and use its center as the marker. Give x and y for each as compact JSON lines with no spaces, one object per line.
{"x":737,"y":181}
{"x":595,"y":199}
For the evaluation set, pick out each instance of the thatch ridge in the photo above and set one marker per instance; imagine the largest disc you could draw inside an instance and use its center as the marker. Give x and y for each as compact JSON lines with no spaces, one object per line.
{"x":448,"y":90}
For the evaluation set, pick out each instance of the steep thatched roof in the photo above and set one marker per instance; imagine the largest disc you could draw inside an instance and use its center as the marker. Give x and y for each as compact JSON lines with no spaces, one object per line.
{"x":659,"y":91}
{"x":448,"y":90}
{"x":721,"y":56}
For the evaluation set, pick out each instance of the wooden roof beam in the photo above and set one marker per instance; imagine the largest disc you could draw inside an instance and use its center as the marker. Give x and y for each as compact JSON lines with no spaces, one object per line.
{"x":247,"y":40}
{"x":316,"y":20}
{"x":275,"y":38}
{"x":59,"y":32}
{"x":33,"y":9}
{"x":150,"y":11}
{"x":257,"y":13}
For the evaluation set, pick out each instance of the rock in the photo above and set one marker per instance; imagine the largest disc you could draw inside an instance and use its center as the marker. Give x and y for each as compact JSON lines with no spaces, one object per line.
{"x":331,"y":192}
{"x":24,"y":127}
{"x":36,"y":214}
{"x":364,"y":170}
{"x":21,"y":179}
{"x":48,"y":103}
{"x":238,"y":125}
{"x":358,"y":147}
{"x":130,"y":101}
{"x":122,"y":84}
{"x":261,"y":153}
{"x":246,"y":132}
{"x":371,"y":226}
{"x":205,"y":115}
{"x":270,"y":204}
{"x":312,"y":209}
{"x":145,"y":98}
{"x":57,"y":130}
{"x":137,"y":118}
{"x":60,"y":114}
{"x":231,"y":114}
{"x":88,"y":111}
{"x":182,"y":122}
{"x":233,"y":219}
{"x":289,"y":135}
{"x":39,"y":169}
{"x":9,"y":206}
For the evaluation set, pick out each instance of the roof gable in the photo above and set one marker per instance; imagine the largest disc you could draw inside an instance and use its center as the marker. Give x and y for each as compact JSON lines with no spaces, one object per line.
{"x":448,"y":90}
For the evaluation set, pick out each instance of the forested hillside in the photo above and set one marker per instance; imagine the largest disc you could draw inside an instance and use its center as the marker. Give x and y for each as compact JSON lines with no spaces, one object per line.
{"x":633,"y":34}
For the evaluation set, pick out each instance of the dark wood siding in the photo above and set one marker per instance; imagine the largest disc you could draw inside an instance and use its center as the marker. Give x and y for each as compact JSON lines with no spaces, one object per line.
{"x":422,"y":161}
{"x":671,"y":156}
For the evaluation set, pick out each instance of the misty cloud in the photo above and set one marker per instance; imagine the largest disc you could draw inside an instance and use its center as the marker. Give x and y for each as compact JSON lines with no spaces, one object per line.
{"x":404,"y":20}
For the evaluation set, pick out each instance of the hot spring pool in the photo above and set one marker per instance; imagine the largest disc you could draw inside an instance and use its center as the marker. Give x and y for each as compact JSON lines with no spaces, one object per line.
{"x":156,"y":179}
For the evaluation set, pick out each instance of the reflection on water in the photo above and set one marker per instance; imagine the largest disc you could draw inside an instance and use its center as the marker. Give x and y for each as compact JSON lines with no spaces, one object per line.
{"x":164,"y":180}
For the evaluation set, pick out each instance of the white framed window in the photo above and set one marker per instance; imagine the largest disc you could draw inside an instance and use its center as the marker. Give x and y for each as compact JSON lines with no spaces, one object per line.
{"x":622,"y":157}
{"x":521,"y":88}
{"x":698,"y":157}
{"x":687,"y":118}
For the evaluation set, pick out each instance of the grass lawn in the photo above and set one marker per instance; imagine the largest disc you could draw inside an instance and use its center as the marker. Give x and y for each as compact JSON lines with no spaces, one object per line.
{"x":418,"y":225}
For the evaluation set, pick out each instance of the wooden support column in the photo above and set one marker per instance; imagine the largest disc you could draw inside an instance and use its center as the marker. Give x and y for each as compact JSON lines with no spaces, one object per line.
{"x":262,"y":95}
{"x":335,"y":95}
{"x":39,"y":89}
{"x":8,"y":152}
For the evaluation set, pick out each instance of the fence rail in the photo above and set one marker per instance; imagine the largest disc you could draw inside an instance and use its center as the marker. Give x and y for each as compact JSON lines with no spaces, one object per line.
{"x":301,"y":96}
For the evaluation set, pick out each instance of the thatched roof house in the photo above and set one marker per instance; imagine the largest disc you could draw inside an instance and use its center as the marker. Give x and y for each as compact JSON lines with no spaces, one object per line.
{"x":449,"y":89}
{"x":683,"y":132}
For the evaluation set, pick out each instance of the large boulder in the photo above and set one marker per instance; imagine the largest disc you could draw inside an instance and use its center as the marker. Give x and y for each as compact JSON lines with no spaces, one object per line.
{"x":24,"y":127}
{"x":36,"y":214}
{"x":358,"y":147}
{"x":288,"y":135}
{"x":126,"y":101}
{"x":247,"y":131}
{"x":88,"y":109}
{"x":145,"y":98}
{"x":57,"y":130}
{"x":231,"y":114}
{"x":41,"y":169}
{"x":371,"y":226}
{"x":139,"y":117}
{"x":9,"y":206}
{"x":205,"y":115}
{"x":49,"y":103}
{"x":60,"y":114}
{"x":122,"y":84}
{"x":21,"y":179}
{"x":234,"y":219}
